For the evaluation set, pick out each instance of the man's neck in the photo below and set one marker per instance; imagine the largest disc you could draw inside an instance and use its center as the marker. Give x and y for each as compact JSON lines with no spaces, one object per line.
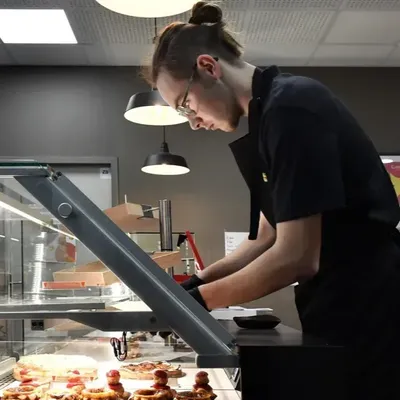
{"x":240,"y":78}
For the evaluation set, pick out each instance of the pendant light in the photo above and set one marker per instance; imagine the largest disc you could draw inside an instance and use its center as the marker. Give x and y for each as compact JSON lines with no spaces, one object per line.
{"x":148,"y":8}
{"x":165,"y":163}
{"x":149,"y":108}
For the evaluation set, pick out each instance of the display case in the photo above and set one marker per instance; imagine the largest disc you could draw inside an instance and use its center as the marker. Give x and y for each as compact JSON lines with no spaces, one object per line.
{"x":49,"y":228}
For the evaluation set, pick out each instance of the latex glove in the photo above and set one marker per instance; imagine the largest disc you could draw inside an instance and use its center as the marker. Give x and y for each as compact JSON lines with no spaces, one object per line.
{"x":193,"y":282}
{"x":195,"y":293}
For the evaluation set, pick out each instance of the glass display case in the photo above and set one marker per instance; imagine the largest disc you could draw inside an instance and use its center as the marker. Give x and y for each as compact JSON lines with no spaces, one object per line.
{"x":65,"y":261}
{"x":80,"y":286}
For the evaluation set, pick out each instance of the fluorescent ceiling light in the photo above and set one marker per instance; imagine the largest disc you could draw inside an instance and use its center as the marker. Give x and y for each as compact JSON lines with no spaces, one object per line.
{"x":387,"y":160}
{"x":35,"y":27}
{"x":148,"y":8}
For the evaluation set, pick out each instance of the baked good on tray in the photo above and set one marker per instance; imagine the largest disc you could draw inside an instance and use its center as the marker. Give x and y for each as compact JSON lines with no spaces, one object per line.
{"x":75,"y":382}
{"x":114,"y":384}
{"x":100,"y":393}
{"x":41,"y":384}
{"x":202,"y":384}
{"x":61,"y":394}
{"x":21,"y":393}
{"x":58,"y":367}
{"x":149,"y":394}
{"x":145,"y":369}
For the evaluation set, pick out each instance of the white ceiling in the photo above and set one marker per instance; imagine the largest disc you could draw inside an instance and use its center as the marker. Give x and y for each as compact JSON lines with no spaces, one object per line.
{"x":285,"y":32}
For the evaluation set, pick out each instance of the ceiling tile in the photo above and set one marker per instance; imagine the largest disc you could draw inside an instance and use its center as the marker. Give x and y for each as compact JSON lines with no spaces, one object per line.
{"x":48,"y":54}
{"x":17,"y":4}
{"x":351,"y":55}
{"x":279,"y":51}
{"x":284,"y":55}
{"x":99,"y":25}
{"x":373,"y":5}
{"x":287,"y":27}
{"x":298,"y":4}
{"x":365,"y":27}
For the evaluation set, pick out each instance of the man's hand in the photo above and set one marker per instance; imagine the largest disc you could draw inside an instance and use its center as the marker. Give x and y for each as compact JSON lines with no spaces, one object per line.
{"x":295,"y":255}
{"x":193,"y":282}
{"x":195,"y":293}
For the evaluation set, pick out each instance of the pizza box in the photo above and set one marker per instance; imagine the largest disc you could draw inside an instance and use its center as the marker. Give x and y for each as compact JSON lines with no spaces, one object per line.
{"x":132,"y":217}
{"x":97,"y":274}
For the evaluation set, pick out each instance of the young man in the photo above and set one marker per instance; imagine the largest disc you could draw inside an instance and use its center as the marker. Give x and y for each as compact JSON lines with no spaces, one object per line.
{"x":323,"y":209}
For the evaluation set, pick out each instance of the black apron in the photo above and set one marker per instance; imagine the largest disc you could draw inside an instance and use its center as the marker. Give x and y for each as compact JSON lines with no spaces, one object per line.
{"x":372,"y":343}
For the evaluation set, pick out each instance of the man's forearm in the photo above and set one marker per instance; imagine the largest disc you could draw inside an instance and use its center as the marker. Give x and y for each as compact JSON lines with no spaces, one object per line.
{"x":294,"y":256}
{"x":248,"y":251}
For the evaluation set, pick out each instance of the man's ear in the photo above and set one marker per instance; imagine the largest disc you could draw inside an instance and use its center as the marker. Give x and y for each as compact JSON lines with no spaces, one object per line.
{"x":209,"y":66}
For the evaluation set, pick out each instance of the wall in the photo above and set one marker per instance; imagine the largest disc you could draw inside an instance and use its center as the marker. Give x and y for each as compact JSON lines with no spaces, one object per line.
{"x":78,"y":112}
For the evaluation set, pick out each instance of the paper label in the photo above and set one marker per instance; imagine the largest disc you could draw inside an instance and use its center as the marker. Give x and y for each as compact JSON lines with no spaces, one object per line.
{"x":105,"y":173}
{"x":233,"y":240}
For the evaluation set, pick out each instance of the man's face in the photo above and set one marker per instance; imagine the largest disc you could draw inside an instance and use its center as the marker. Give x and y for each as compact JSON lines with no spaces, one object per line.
{"x":212,"y":102}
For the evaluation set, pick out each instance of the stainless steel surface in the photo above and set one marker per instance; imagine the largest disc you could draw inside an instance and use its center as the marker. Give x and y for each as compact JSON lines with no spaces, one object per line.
{"x":63,"y":304}
{"x":98,"y":319}
{"x":166,"y":229}
{"x":9,"y":167}
{"x":165,"y":225}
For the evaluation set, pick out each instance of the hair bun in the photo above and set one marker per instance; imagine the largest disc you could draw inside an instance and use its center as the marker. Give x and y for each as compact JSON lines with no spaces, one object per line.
{"x":203,"y":12}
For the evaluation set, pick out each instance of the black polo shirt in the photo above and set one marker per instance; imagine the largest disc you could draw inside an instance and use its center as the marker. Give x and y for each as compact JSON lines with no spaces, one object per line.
{"x":315,"y":158}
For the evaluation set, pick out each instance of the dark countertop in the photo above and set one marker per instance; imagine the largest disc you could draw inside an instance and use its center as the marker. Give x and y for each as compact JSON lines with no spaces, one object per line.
{"x":282,"y":335}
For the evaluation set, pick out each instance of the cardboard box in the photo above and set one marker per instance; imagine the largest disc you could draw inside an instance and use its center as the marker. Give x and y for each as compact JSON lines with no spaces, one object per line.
{"x":134,"y":217}
{"x":97,"y":274}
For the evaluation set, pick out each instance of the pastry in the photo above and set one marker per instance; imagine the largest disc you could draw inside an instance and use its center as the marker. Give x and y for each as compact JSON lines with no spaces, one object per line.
{"x":149,"y":394}
{"x":21,"y":393}
{"x":144,"y":370}
{"x":98,"y":394}
{"x":187,"y":395}
{"x":114,"y":384}
{"x":202,"y":384}
{"x":75,"y":382}
{"x":61,"y":394}
{"x":55,"y":366}
{"x":142,"y":336}
{"x":160,"y":378}
{"x":133,"y":350}
{"x":40,"y":384}
{"x":113,"y":377}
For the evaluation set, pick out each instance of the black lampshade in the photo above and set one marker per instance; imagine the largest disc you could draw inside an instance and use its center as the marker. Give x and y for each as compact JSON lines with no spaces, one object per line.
{"x":149,"y":108}
{"x":165,"y":163}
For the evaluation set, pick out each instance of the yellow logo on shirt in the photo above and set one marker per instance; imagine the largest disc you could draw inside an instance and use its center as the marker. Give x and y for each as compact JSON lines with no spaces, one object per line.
{"x":264,"y":176}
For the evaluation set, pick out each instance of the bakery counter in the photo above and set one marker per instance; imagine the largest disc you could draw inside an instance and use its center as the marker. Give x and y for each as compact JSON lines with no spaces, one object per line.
{"x":56,"y":368}
{"x":283,"y":363}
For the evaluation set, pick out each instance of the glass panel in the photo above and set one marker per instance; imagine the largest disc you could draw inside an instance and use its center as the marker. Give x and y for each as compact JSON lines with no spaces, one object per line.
{"x":37,"y":252}
{"x":92,"y":358}
{"x":150,"y":242}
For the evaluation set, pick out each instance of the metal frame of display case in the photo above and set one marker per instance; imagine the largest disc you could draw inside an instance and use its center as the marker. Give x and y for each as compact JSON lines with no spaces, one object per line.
{"x":215,"y":347}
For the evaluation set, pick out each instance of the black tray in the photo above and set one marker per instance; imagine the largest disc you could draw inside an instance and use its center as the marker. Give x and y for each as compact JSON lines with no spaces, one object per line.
{"x":257,"y":322}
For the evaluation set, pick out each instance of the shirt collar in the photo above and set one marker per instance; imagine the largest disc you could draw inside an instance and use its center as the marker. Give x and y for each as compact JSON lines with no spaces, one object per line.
{"x":261,"y":88}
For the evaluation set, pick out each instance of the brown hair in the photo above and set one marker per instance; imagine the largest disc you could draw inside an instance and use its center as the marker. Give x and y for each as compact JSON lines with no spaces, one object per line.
{"x":179,"y":44}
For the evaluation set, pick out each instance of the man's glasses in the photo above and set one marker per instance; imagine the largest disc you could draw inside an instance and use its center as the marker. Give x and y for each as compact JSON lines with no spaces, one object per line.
{"x":184,"y":110}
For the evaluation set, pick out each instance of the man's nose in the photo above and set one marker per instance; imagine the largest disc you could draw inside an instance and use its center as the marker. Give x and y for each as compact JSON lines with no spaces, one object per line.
{"x":195,"y":123}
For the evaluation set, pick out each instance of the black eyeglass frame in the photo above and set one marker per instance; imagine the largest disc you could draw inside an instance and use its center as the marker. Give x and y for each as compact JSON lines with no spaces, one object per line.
{"x":182,"y":109}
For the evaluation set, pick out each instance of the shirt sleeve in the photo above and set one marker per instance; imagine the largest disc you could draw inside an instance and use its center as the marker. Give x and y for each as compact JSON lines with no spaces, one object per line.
{"x":305,"y":168}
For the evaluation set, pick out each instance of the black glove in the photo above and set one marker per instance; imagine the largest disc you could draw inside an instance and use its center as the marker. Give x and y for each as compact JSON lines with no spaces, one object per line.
{"x":193,"y":282}
{"x":195,"y":293}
